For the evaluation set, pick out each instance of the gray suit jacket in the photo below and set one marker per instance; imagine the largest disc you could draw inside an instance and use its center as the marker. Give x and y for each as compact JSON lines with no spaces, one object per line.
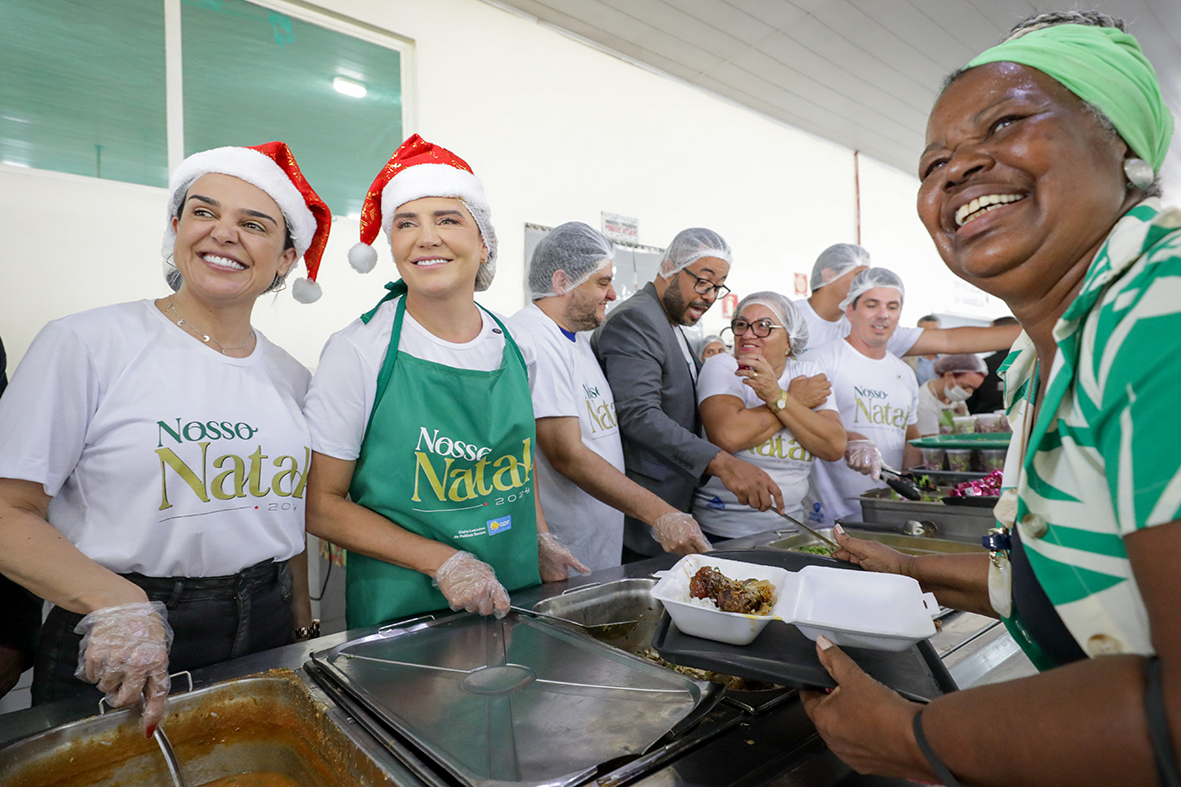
{"x":656,"y":402}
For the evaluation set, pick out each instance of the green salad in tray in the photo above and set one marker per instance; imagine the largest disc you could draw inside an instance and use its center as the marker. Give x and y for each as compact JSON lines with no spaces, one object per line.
{"x":815,"y":549}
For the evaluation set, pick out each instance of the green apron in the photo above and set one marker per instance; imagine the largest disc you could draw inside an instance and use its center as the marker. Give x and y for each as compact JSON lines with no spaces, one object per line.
{"x":448,"y":454}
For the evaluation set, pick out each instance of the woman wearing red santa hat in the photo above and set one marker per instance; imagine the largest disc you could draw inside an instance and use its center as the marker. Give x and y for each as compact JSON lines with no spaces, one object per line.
{"x":153,"y":455}
{"x":421,"y":419}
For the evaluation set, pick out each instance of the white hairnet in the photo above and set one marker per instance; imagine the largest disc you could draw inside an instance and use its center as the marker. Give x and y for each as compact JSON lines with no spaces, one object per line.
{"x":483,"y":217}
{"x":713,"y":337}
{"x":691,"y":245}
{"x":573,"y":248}
{"x":789,"y":317}
{"x":959,"y":364}
{"x":870,"y":278}
{"x":839,"y":259}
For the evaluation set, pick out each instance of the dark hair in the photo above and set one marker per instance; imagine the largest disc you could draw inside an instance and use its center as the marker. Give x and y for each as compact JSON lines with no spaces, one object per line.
{"x":927,"y":318}
{"x":1006,"y":320}
{"x":174,"y":278}
{"x":1053,"y":19}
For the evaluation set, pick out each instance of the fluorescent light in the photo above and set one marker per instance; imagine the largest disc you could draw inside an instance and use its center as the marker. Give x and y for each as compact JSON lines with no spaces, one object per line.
{"x":349,"y":87}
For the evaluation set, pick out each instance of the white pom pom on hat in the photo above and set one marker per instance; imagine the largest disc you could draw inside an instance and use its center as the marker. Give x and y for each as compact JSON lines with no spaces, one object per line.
{"x":306,"y":290}
{"x":362,"y":257}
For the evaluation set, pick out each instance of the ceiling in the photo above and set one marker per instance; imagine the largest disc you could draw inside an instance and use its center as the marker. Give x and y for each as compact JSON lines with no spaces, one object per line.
{"x":862,"y":73}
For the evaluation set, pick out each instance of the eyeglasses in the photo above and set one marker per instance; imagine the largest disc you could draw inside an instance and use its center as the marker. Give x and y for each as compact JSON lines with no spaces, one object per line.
{"x":705,"y":286}
{"x":761,"y":328}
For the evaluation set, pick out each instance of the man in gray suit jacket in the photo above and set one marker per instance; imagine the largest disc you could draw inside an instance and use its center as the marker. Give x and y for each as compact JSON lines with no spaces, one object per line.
{"x":653,"y":375}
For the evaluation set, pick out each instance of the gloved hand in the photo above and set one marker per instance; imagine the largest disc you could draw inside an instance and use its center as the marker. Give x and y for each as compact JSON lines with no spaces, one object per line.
{"x":469,"y":583}
{"x":125,"y":651}
{"x":554,"y":559}
{"x":864,"y":457}
{"x":679,"y":532}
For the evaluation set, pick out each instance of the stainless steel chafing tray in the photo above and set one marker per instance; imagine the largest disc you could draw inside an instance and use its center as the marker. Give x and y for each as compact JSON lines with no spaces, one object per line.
{"x":911,"y":545}
{"x":264,"y":723}
{"x":512,"y":702}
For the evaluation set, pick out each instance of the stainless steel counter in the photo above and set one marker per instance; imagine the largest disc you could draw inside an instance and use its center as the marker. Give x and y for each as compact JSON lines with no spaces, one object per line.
{"x":778,"y":746}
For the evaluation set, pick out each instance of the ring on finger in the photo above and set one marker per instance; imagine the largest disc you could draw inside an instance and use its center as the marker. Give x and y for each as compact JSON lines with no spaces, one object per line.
{"x":754,"y":374}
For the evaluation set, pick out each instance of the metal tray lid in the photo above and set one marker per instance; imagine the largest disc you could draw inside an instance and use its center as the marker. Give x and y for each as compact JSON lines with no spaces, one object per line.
{"x":511,"y":702}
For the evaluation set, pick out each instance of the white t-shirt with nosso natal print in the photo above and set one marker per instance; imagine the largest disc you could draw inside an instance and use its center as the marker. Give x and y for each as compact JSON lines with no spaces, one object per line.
{"x":570,"y":384}
{"x":344,"y":389}
{"x":161,"y":456}
{"x":876,"y":398}
{"x":788,"y":463}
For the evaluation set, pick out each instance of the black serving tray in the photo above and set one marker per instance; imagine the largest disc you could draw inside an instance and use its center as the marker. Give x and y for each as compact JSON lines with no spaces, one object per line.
{"x":781,"y":654}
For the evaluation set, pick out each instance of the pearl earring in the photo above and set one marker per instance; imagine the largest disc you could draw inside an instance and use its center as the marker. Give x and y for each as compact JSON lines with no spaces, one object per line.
{"x":1139,"y":173}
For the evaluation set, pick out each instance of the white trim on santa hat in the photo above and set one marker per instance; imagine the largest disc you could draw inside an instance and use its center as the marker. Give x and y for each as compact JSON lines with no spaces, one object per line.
{"x":429,"y":180}
{"x":257,"y":169}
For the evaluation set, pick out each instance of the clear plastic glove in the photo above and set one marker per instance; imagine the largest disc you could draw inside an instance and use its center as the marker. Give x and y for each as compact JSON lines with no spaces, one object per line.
{"x":469,"y":583}
{"x":679,"y":532}
{"x":125,"y":651}
{"x":864,"y":457}
{"x":554,"y":560}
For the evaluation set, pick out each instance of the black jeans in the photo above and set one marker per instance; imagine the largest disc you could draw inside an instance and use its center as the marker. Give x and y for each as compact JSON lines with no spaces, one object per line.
{"x":213,"y":619}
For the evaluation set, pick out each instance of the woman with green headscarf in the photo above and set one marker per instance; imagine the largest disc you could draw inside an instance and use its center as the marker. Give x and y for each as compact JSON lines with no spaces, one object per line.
{"x":1038,"y":186}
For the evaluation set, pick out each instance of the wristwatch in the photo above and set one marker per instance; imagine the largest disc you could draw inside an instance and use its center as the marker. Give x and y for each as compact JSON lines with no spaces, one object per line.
{"x":308,"y":632}
{"x":779,"y":403}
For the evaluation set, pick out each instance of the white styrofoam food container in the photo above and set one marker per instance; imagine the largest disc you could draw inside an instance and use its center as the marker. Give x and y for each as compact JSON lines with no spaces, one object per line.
{"x":852,"y":608}
{"x":733,"y":628}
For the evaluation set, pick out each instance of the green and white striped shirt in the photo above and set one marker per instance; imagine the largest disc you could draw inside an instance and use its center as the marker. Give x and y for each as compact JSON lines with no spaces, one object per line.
{"x":1103,"y":459}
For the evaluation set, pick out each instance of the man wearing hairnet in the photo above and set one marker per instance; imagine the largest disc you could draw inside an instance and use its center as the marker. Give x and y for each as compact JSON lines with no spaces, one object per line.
{"x":824,"y":310}
{"x":584,"y":492}
{"x":653,"y":374}
{"x":876,"y":395}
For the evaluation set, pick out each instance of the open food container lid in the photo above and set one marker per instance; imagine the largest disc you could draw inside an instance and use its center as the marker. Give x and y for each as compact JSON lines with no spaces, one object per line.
{"x":513,"y":701}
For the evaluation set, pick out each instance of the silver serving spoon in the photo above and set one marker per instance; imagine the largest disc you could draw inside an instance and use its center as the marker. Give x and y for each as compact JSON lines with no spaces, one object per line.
{"x":798,"y":523}
{"x":169,"y":757}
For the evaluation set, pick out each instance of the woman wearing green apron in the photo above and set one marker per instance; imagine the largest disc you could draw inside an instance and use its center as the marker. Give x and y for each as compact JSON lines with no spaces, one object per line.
{"x":422,"y":424}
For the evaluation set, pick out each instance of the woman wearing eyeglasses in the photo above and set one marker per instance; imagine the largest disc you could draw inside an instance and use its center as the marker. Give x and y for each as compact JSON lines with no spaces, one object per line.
{"x":767,"y":408}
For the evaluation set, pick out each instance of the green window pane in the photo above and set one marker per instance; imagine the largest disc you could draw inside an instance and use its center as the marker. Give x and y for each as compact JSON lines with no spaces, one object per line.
{"x":252,"y":75}
{"x":83,"y":88}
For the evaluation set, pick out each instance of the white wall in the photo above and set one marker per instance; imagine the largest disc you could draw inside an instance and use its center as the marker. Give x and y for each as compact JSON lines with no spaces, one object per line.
{"x":557,"y":131}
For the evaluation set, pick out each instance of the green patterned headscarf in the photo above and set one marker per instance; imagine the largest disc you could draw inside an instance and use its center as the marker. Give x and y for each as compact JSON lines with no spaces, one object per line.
{"x":1104,"y":67}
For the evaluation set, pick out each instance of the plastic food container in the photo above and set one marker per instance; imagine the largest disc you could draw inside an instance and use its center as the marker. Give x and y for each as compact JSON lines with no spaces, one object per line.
{"x":852,"y":608}
{"x":992,"y":459}
{"x":933,"y":458}
{"x":988,"y":423}
{"x":959,"y":460}
{"x":963,"y":424}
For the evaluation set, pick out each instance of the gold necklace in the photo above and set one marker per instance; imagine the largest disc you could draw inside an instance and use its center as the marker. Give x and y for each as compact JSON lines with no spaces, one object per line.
{"x":182,"y":322}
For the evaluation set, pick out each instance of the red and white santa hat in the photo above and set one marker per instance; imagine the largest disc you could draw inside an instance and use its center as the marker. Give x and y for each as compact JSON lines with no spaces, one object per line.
{"x":420,"y":169}
{"x":272,"y":168}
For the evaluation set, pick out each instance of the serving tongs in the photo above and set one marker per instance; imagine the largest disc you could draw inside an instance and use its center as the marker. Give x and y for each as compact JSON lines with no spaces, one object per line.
{"x":901,"y":484}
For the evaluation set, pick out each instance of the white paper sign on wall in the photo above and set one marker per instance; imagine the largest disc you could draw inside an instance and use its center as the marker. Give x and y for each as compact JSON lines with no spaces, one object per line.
{"x":801,"y":281}
{"x":625,"y":229}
